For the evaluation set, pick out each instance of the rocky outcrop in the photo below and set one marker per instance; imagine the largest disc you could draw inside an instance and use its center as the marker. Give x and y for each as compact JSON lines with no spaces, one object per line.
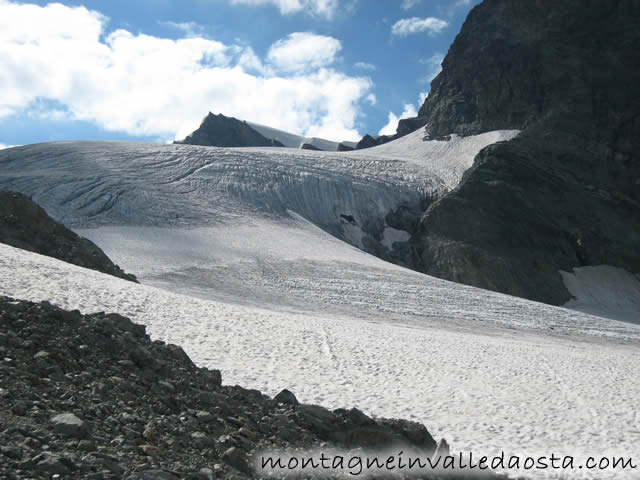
{"x":368,"y":141}
{"x":25,"y":225}
{"x":409,"y":125}
{"x":221,"y":131}
{"x":309,"y":146}
{"x":565,"y":192}
{"x":405,"y":127}
{"x":92,"y":396}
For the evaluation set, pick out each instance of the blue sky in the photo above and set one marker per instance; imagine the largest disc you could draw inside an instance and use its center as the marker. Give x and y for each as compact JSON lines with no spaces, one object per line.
{"x":151,"y":69}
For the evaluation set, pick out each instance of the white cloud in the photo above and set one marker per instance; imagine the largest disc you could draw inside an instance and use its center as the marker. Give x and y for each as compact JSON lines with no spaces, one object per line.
{"x":151,"y":86}
{"x":303,"y":51}
{"x":325,"y":8}
{"x":407,"y":26}
{"x":434,"y":66}
{"x":190,"y":29}
{"x":4,"y":145}
{"x":392,"y":124}
{"x":408,"y":4}
{"x":364,"y":65}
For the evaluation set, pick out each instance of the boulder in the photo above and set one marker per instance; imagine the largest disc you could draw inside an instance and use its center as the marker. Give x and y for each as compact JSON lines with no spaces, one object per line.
{"x":69,"y":425}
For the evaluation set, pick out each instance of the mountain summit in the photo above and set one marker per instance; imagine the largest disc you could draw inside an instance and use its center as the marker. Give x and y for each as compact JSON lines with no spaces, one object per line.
{"x":566,"y":192}
{"x":221,"y":131}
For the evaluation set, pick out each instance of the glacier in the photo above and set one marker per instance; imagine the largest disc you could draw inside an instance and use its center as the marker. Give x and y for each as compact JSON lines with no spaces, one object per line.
{"x":247,"y":260}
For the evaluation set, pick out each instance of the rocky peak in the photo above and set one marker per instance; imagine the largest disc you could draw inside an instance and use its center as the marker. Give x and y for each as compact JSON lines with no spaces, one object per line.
{"x":564,"y":193}
{"x":221,"y":131}
{"x":515,"y":63}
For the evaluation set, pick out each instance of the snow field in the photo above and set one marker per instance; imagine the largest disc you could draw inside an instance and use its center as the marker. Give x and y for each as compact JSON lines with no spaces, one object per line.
{"x":488,"y":391}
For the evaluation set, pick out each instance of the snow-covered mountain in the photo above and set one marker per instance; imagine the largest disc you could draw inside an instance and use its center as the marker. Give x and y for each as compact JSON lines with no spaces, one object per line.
{"x":233,"y":251}
{"x":221,"y":131}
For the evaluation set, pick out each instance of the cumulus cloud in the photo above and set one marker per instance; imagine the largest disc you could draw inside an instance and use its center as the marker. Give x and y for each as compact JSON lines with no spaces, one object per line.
{"x":4,"y":145}
{"x":143,"y":85}
{"x":325,"y":8}
{"x":408,"y":4}
{"x":190,"y":29}
{"x":303,"y":51}
{"x":407,"y":26}
{"x":364,"y":65}
{"x":392,"y":124}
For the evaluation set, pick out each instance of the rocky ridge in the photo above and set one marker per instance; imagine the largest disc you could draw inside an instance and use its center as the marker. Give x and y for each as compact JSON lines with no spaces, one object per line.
{"x":24,"y":224}
{"x":405,"y":127}
{"x":92,"y":396}
{"x":221,"y":131}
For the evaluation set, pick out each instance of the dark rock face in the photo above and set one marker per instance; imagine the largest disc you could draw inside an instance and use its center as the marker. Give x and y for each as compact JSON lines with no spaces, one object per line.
{"x":405,"y":127}
{"x":75,"y":401}
{"x":344,"y":148}
{"x":221,"y":131}
{"x":409,"y":125}
{"x":25,"y":225}
{"x":517,"y":62}
{"x":565,"y":192}
{"x":368,"y":141}
{"x":309,"y":146}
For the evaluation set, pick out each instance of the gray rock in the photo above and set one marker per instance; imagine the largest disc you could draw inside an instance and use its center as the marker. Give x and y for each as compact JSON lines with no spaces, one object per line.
{"x":443,"y":449}
{"x":236,"y":458}
{"x":286,"y":397}
{"x":53,"y":464}
{"x":318,"y":419}
{"x":204,"y":416}
{"x":19,"y":408}
{"x":14,"y":452}
{"x":153,"y":475}
{"x":202,"y":474}
{"x":41,"y":355}
{"x":142,"y":357}
{"x":69,"y":425}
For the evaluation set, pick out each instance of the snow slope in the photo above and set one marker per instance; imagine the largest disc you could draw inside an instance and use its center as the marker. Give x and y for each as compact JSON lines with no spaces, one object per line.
{"x":487,"y":386}
{"x":446,"y":160}
{"x":291,"y":140}
{"x":235,"y":268}
{"x":604,"y":290}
